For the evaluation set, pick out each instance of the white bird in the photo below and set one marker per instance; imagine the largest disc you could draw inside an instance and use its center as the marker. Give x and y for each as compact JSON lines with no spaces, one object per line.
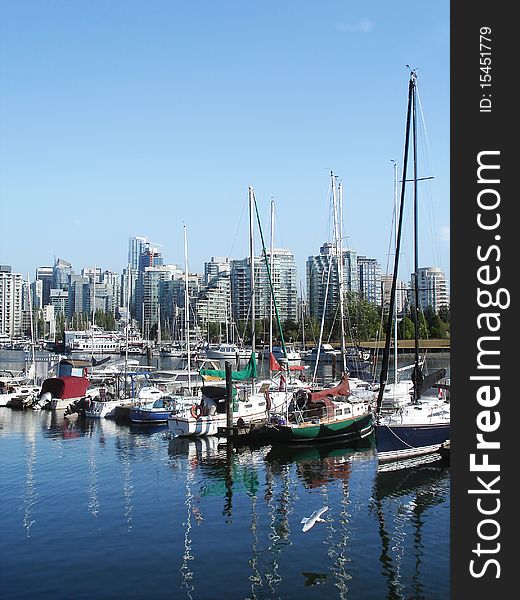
{"x":308,"y":522}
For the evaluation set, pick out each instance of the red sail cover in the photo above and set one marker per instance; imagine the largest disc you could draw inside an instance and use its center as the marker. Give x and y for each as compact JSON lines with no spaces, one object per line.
{"x":274,"y":365}
{"x":66,"y":387}
{"x":343,"y":389}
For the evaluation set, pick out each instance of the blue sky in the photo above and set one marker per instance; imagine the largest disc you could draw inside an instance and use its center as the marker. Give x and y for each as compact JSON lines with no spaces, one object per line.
{"x":121,"y":118}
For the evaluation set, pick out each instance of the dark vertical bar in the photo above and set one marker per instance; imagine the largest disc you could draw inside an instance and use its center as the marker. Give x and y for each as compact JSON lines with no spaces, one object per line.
{"x":483,"y":119}
{"x":417,"y":371}
{"x":229,"y":399}
{"x":386,"y":352}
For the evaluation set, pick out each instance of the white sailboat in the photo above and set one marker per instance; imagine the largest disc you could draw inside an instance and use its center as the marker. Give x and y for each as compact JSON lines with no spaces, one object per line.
{"x":416,"y":427}
{"x":252,"y":403}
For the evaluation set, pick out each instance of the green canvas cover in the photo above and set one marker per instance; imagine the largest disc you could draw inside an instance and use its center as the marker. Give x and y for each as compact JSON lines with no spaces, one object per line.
{"x":248,"y":372}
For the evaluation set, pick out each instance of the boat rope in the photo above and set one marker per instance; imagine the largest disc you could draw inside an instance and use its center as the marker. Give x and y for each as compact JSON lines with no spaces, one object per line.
{"x":401,"y":440}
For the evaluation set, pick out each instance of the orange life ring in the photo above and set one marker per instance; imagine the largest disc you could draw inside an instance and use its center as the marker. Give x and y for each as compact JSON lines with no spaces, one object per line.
{"x":196,"y":411}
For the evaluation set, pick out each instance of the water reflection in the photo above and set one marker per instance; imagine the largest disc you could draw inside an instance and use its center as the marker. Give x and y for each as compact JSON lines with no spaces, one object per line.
{"x":402,"y":496}
{"x":317,"y":465}
{"x":216,"y":501}
{"x":30,"y":496}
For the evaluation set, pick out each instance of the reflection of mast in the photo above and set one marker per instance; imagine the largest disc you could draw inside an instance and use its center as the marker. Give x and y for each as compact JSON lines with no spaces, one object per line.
{"x":279,"y":509}
{"x":186,"y":572}
{"x":93,"y":500}
{"x":411,"y":490}
{"x":128,"y":486}
{"x":338,"y":552}
{"x":31,"y":494}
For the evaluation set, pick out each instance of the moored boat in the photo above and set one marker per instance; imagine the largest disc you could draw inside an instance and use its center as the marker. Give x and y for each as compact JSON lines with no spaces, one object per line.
{"x":327,"y":415}
{"x":57,"y":393}
{"x":409,"y":426}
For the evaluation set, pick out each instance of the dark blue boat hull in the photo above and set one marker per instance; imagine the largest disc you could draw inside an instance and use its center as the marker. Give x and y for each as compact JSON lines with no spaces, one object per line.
{"x":138,"y":415}
{"x":394,"y":442}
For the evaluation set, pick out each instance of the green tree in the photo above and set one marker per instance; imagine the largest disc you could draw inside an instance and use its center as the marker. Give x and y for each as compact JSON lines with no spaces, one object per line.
{"x":405,"y":329}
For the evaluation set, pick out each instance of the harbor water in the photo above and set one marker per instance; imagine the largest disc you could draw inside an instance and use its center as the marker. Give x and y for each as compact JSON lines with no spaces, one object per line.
{"x":95,"y":509}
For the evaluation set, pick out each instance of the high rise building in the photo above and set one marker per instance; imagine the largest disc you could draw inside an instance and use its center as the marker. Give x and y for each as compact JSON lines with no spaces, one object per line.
{"x":59,"y":300}
{"x":11,"y":285}
{"x":150,"y":257}
{"x":285,"y":284}
{"x":323,"y":280}
{"x":46,"y":276}
{"x":148,"y":295}
{"x":218,"y":265}
{"x":284,"y":280}
{"x":213,"y":303}
{"x":433,"y":289}
{"x":369,"y":277}
{"x":60,"y":274}
{"x":78,"y":289}
{"x":136,"y":246}
{"x":401,"y":294}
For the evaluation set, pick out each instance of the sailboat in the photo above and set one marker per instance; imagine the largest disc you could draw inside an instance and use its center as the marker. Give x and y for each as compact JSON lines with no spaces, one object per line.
{"x":327,"y":414}
{"x":251,"y":401}
{"x":416,"y":427}
{"x":164,"y":407}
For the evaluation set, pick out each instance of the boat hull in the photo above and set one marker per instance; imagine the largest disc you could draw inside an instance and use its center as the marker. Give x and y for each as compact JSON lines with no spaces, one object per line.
{"x":101,"y":409}
{"x":345,"y":430}
{"x":188,"y":426}
{"x":149,"y":415}
{"x":395,"y":442}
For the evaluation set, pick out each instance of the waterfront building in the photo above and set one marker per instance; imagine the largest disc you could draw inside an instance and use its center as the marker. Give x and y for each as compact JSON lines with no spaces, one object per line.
{"x":37,"y":294}
{"x":218,"y":265}
{"x":136,"y":247}
{"x":156,"y":297}
{"x":285,"y":284}
{"x":49,"y":322}
{"x":402,"y":293}
{"x":46,"y":276}
{"x":323,"y":268}
{"x":93,"y":274}
{"x":60,"y":274}
{"x":128,"y":286}
{"x":433,"y":289}
{"x":11,"y":286}
{"x":150,"y":257}
{"x":76,"y":302}
{"x":284,"y":279}
{"x":213,"y":303}
{"x":369,"y":277}
{"x":59,"y":300}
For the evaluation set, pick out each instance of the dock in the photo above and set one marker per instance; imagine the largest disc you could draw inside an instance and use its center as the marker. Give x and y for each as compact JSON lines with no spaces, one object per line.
{"x":246,"y":433}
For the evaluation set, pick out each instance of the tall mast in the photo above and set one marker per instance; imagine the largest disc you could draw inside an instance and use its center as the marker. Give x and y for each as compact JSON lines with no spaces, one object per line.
{"x":32,"y":368}
{"x":271,"y":262}
{"x":187,"y":307}
{"x":395,"y":244}
{"x":386,"y":353}
{"x":417,"y":372}
{"x":338,"y":211}
{"x":129,"y":320}
{"x":252,"y":260}
{"x":93,"y":314}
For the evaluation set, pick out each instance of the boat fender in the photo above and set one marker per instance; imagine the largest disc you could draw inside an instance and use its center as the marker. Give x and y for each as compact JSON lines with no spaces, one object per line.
{"x":196,"y":411}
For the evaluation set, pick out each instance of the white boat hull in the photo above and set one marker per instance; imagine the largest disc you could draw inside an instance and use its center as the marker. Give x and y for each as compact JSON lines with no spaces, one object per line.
{"x":101,"y":410}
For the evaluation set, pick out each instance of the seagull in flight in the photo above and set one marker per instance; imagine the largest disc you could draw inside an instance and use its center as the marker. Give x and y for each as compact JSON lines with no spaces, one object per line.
{"x":308,"y":522}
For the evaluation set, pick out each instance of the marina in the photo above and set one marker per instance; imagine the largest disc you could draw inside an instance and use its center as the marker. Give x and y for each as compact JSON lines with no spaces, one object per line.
{"x":98,"y":495}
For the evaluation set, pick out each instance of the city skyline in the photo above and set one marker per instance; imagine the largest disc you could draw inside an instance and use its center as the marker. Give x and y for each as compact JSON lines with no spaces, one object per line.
{"x":131,"y":119}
